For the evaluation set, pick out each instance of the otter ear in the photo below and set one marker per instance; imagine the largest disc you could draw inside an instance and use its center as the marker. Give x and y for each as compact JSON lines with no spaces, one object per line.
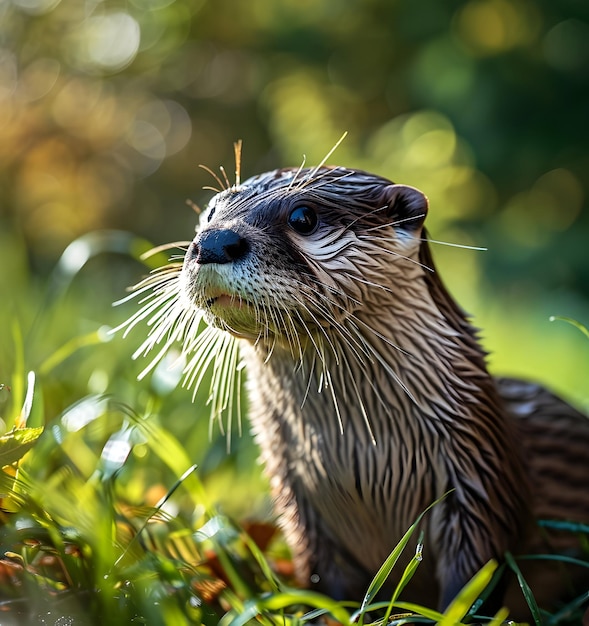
{"x":407,"y":207}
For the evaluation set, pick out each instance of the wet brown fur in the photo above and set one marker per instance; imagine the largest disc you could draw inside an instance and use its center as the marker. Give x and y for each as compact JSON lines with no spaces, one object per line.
{"x":369,"y":390}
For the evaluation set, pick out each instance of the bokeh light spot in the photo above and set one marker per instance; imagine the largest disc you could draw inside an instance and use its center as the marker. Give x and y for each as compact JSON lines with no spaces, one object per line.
{"x":172,"y":122}
{"x":432,"y":149}
{"x":8,"y":73}
{"x":550,"y":206}
{"x":147,"y":140}
{"x":82,"y":413}
{"x":38,"y":78}
{"x":566,"y":46}
{"x":490,"y":27}
{"x":111,"y":40}
{"x":35,"y":7}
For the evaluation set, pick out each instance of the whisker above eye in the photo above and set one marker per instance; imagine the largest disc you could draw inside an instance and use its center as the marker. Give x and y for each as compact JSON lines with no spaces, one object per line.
{"x":222,"y":187}
{"x":392,"y":224}
{"x":327,"y":156}
{"x":455,"y":245}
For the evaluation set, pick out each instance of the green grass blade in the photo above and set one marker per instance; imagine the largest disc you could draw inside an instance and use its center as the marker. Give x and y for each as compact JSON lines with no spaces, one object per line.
{"x":72,"y":346}
{"x":460,"y":606}
{"x":262,"y":562}
{"x":386,"y":568}
{"x":97,"y":242}
{"x":407,"y":576}
{"x":554,"y":557}
{"x":174,"y":455}
{"x":487,"y":591}
{"x":249,"y":612}
{"x":157,"y":508}
{"x":571,"y":527}
{"x":528,"y":595}
{"x":17,"y":383}
{"x":572,"y":322}
{"x":313,"y":599}
{"x":499,"y":618}
{"x":564,"y":615}
{"x":245,"y":612}
{"x":257,"y":607}
{"x":435,"y":616}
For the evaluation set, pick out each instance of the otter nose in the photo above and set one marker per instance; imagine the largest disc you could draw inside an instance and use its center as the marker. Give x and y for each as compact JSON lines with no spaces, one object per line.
{"x":218,"y":246}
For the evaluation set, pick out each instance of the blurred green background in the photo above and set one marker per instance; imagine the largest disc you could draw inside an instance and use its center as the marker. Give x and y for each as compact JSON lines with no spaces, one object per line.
{"x":108,"y":108}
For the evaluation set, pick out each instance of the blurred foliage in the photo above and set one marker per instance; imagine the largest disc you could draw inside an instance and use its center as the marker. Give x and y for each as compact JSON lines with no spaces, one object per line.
{"x":55,"y":327}
{"x":108,"y":108}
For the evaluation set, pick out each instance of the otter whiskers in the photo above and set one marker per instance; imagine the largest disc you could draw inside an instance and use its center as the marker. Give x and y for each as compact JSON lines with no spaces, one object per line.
{"x":206,"y":348}
{"x":333,"y":334}
{"x":313,"y":174}
{"x":202,"y":347}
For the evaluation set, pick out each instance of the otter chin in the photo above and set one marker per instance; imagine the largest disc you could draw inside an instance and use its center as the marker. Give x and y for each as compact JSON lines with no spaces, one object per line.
{"x":226,"y":301}
{"x":369,"y":392}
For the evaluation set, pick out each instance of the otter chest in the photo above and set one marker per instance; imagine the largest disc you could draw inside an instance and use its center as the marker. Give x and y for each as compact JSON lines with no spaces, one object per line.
{"x":362,"y":494}
{"x":365,"y":494}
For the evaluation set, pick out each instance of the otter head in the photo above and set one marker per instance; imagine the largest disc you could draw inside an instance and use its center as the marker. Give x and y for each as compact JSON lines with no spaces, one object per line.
{"x":301,"y":249}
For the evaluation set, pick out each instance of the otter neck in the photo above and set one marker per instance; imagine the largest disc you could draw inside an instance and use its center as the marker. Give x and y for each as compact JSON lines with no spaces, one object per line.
{"x":403,"y":351}
{"x":400,"y":359}
{"x":382,"y":433}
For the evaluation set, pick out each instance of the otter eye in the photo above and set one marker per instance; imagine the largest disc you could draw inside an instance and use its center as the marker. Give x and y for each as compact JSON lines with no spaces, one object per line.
{"x":303,"y":220}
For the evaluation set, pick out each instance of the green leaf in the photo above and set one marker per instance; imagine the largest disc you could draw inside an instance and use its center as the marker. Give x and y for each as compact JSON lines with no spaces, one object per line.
{"x":500,"y":617}
{"x":420,"y":610}
{"x":72,"y":346}
{"x":528,"y":595}
{"x":292,"y":597}
{"x":460,"y":606}
{"x":386,"y":568}
{"x":572,"y":322}
{"x":407,"y":576}
{"x":262,"y":562}
{"x":15,"y":444}
{"x":571,"y":527}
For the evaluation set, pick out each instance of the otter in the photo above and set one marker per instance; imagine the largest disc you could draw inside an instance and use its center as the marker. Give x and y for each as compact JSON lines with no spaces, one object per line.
{"x":370,"y":397}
